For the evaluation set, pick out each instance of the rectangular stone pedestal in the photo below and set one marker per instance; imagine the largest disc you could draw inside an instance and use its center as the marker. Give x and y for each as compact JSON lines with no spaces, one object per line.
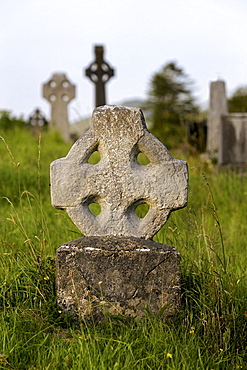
{"x":121,"y":275}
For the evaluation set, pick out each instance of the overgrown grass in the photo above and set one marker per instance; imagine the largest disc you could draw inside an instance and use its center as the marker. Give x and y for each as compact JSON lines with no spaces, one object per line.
{"x":208,"y":332}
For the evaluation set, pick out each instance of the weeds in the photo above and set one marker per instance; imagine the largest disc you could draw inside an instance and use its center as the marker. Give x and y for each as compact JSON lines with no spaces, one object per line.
{"x":208,"y":332}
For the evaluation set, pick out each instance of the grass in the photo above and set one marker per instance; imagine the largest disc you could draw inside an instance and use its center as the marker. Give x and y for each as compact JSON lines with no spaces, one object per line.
{"x":210,"y":329}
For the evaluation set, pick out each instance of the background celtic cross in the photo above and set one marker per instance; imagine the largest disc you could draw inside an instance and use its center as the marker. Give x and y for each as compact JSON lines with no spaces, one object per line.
{"x":118,"y":182}
{"x":99,"y":73}
{"x":59,"y":91}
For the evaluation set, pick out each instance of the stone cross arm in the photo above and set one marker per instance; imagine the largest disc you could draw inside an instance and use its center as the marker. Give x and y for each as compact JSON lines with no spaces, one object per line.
{"x":118,"y":182}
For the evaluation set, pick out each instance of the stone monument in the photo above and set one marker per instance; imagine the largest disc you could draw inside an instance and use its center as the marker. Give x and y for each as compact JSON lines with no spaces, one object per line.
{"x":233,"y":141}
{"x":37,"y":121}
{"x":217,"y":109}
{"x":227,"y":132}
{"x":59,"y":92}
{"x":99,"y":73}
{"x":116,"y":267}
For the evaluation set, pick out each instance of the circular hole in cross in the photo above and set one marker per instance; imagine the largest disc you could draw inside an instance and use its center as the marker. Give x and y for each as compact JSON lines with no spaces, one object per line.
{"x":52,"y":84}
{"x":142,"y":159}
{"x":142,"y":209}
{"x":94,"y":157}
{"x":94,"y":77}
{"x":65,"y":84}
{"x":65,"y":98}
{"x":52,"y":97}
{"x":105,"y":67}
{"x":94,"y":67}
{"x":40,"y":122}
{"x":94,"y":208}
{"x":105,"y":77}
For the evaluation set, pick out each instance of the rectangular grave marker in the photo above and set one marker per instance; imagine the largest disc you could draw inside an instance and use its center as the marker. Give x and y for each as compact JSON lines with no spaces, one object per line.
{"x":227,"y":132}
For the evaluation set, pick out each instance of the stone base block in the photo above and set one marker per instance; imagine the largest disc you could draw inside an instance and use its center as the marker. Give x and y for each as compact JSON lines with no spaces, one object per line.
{"x":118,"y":275}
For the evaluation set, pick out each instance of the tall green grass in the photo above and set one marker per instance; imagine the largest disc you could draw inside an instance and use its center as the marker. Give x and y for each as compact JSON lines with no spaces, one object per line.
{"x":208,"y":332}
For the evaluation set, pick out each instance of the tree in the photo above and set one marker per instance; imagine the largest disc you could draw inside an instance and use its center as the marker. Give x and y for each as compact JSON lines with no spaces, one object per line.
{"x":8,"y":122}
{"x":172,"y":104}
{"x":238,"y":101}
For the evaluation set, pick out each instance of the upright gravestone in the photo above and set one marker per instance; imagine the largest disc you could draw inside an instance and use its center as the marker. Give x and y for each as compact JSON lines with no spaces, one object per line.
{"x":59,"y":92}
{"x":99,"y":73}
{"x":116,"y":266}
{"x":233,"y":143}
{"x":37,"y":121}
{"x":217,"y":109}
{"x":227,"y":132}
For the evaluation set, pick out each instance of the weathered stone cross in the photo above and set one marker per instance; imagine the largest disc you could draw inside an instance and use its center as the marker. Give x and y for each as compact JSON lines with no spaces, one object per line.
{"x":99,"y":73}
{"x":118,"y":182}
{"x":59,"y":92}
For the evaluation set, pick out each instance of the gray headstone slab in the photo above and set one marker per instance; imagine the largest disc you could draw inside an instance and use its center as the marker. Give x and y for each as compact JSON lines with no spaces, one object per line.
{"x":217,"y":108}
{"x":233,"y":140}
{"x":118,"y":183}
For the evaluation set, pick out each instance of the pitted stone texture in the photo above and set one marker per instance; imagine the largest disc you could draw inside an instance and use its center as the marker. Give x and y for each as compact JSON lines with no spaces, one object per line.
{"x":59,"y":92}
{"x":118,"y":182}
{"x":117,"y":274}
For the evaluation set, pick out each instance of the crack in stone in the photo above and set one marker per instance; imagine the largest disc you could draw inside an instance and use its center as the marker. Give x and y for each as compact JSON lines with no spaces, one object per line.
{"x":144,"y":277}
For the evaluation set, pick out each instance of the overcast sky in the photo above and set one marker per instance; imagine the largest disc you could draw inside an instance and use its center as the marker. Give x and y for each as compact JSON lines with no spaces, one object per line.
{"x":207,"y":38}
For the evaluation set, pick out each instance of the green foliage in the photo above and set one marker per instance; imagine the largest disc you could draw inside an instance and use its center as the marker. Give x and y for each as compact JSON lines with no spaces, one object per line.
{"x":172,"y":104}
{"x":238,"y":101}
{"x":208,"y":332}
{"x":8,"y":122}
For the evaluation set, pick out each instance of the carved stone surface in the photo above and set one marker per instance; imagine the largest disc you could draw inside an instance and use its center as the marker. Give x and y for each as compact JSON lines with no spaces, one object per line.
{"x":59,"y":92}
{"x":119,"y":275}
{"x":118,"y":183}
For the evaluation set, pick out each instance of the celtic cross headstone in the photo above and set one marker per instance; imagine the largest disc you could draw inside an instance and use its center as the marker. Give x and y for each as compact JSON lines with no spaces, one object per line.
{"x":37,"y":121}
{"x":59,"y":91}
{"x":99,"y":73}
{"x":116,"y":249}
{"x":118,"y":183}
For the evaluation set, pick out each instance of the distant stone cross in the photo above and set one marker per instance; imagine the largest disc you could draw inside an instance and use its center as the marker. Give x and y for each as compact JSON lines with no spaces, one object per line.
{"x":59,"y":92}
{"x":99,"y":73}
{"x":118,"y":182}
{"x":37,"y":119}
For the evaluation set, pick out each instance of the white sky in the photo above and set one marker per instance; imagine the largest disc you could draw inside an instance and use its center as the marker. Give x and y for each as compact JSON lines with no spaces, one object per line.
{"x":208,"y":39}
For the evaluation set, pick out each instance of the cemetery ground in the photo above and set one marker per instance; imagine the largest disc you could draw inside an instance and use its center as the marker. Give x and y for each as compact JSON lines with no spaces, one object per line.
{"x":208,"y":332}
